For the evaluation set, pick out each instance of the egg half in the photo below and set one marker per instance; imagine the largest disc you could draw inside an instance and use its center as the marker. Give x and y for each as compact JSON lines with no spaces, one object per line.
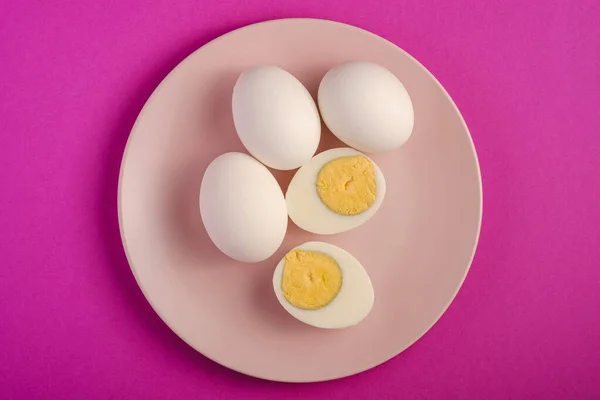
{"x":337,"y":190}
{"x":324,"y":286}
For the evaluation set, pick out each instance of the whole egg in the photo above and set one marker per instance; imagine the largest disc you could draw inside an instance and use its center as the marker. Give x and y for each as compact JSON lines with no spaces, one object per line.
{"x":366,"y":106}
{"x":275,"y":117}
{"x":242,"y":207}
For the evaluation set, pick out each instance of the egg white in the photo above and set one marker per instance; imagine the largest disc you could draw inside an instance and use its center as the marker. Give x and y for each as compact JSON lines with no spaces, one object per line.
{"x":306,"y":209}
{"x":353,"y":302}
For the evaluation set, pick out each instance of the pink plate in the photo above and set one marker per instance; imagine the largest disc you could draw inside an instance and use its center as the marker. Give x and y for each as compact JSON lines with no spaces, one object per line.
{"x":417,"y":248}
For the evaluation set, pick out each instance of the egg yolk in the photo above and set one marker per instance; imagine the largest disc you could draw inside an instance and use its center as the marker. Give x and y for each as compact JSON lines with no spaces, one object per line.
{"x":347,"y":185}
{"x":311,"y":279}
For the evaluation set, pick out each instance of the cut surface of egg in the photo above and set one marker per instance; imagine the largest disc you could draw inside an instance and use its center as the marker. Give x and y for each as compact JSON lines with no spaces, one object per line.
{"x":242,"y":207}
{"x":337,"y":190}
{"x":275,"y":117}
{"x":366,"y":106}
{"x":323,"y":285}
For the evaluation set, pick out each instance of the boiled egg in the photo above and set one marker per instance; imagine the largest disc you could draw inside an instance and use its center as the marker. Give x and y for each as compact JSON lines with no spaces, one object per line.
{"x":337,"y":190}
{"x":323,"y":285}
{"x":242,"y":207}
{"x":366,"y":106}
{"x":275,"y":117}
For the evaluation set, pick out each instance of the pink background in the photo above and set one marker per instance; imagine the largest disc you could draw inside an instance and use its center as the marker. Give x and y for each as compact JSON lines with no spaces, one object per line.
{"x":526,"y":76}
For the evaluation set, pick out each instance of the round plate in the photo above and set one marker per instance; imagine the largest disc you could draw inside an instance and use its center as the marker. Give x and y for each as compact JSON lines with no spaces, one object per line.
{"x":417,"y":249}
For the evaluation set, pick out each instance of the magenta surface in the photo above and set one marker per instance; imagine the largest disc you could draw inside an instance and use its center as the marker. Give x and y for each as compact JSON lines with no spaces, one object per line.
{"x":73,"y":323}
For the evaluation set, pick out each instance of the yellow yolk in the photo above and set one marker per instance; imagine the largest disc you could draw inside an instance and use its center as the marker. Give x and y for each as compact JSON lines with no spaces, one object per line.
{"x":311,"y":279}
{"x":347,"y":185}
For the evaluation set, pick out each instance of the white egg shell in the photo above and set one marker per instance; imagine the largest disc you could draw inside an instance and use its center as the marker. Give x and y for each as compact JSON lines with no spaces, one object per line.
{"x":353,"y":302}
{"x":366,"y":106}
{"x":275,"y":117}
{"x":305,"y":207}
{"x":242,"y":207}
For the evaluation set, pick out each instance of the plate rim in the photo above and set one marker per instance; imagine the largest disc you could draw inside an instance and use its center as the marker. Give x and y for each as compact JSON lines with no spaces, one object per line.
{"x":284,"y":21}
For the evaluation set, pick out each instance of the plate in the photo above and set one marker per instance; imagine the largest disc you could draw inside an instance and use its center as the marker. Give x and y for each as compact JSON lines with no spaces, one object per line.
{"x":417,"y":249}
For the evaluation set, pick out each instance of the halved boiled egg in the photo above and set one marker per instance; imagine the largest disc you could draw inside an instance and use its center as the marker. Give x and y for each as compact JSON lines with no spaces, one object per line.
{"x":337,"y":190}
{"x":323,"y":285}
